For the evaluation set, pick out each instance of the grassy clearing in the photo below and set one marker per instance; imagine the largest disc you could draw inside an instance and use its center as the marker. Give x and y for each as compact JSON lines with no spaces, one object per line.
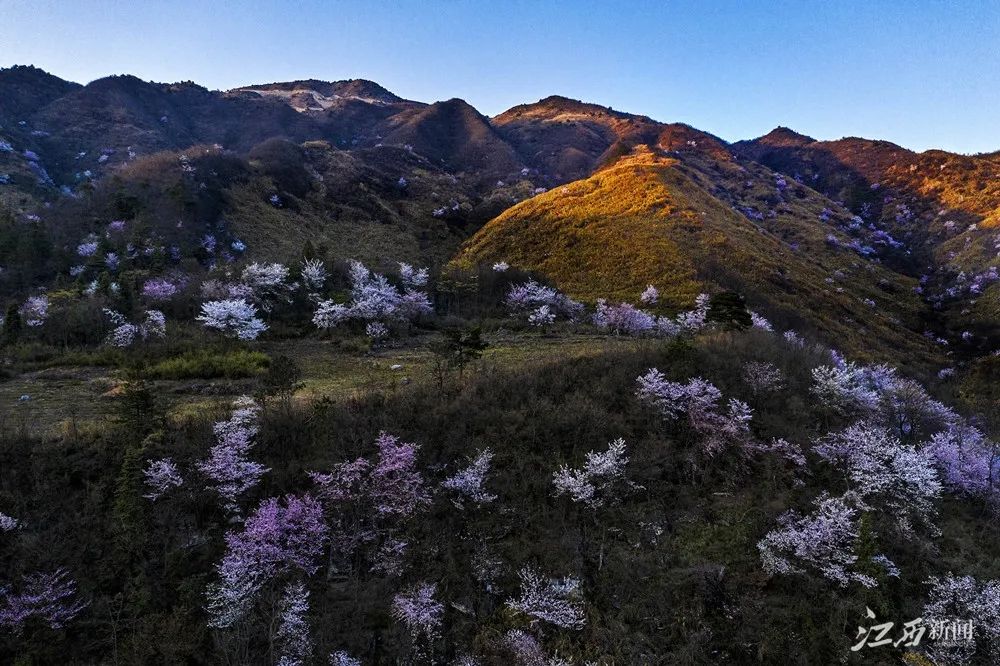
{"x":195,"y":383}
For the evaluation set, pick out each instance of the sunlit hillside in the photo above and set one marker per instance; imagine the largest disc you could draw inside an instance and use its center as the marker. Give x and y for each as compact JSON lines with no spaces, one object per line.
{"x":650,"y":219}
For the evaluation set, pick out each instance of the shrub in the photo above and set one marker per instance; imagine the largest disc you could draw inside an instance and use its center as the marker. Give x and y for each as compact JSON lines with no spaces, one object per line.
{"x":207,"y":364}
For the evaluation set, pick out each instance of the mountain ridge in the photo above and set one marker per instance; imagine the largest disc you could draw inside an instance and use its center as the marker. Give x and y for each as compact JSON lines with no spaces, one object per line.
{"x":926,"y":216}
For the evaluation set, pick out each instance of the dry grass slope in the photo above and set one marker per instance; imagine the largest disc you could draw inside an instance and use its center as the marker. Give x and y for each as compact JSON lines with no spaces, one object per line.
{"x":645,"y":220}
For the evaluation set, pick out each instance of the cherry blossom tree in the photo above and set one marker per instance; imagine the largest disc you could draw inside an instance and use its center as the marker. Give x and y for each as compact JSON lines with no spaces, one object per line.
{"x":87,"y":248}
{"x":235,"y":318}
{"x":698,"y":401}
{"x":397,"y":487}
{"x":885,"y":473}
{"x":342,"y":658}
{"x":878,"y":393}
{"x":227,"y":467}
{"x":377,"y":301}
{"x":277,"y":538}
{"x":125,"y":333}
{"x":781,"y":447}
{"x":822,"y":541}
{"x":650,"y":296}
{"x":419,"y":611}
{"x":35,"y":310}
{"x":161,"y":476}
{"x":557,"y":601}
{"x":314,"y":274}
{"x":48,"y":597}
{"x":159,"y":289}
{"x":467,"y":484}
{"x":412,"y":277}
{"x":7,"y":523}
{"x":268,"y":283}
{"x":376,"y":330}
{"x":545,"y":303}
{"x":843,"y":388}
{"x":760,"y":322}
{"x":694,"y":320}
{"x":794,"y":340}
{"x":368,"y":501}
{"x":542,"y":316}
{"x":330,"y":314}
{"x":524,"y":647}
{"x":623,"y":319}
{"x":600,"y":481}
{"x":293,"y":632}
{"x":968,"y":462}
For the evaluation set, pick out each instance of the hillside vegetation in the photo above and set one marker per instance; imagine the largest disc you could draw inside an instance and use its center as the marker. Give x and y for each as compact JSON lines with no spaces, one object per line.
{"x":306,"y":373}
{"x":644,"y":221}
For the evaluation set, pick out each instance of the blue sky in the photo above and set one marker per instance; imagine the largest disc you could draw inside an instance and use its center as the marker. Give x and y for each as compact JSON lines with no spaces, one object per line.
{"x":921,"y":73}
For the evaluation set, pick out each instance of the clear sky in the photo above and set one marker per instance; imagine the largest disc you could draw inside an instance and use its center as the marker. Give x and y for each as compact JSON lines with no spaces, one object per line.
{"x":922,"y":73}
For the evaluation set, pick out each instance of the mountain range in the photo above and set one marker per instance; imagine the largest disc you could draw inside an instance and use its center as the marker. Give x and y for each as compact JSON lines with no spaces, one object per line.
{"x":887,"y":251}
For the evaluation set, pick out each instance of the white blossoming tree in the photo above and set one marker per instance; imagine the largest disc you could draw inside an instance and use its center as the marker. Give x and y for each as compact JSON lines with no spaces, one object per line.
{"x":235,"y":318}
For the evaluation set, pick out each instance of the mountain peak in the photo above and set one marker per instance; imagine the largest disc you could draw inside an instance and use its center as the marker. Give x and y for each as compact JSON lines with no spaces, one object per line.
{"x":783,"y":136}
{"x":559,"y":105}
{"x":25,"y":88}
{"x":314,"y":94}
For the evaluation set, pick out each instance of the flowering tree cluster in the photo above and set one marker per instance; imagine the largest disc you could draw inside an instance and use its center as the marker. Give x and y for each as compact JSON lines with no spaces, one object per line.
{"x":234,"y":317}
{"x":419,"y":611}
{"x":367,"y":501}
{"x":161,"y":476}
{"x":375,"y":300}
{"x":277,"y":538}
{"x":159,"y":289}
{"x":557,"y":601}
{"x":35,"y":310}
{"x":968,"y":462}
{"x":600,"y":481}
{"x":541,"y":305}
{"x":467,"y":484}
{"x":626,"y":319}
{"x":125,"y":333}
{"x":623,"y":319}
{"x":698,"y":401}
{"x":885,"y":473}
{"x":413,"y":277}
{"x":879,"y":394}
{"x":48,"y":597}
{"x":822,"y":541}
{"x":227,"y":467}
{"x":267,"y":283}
